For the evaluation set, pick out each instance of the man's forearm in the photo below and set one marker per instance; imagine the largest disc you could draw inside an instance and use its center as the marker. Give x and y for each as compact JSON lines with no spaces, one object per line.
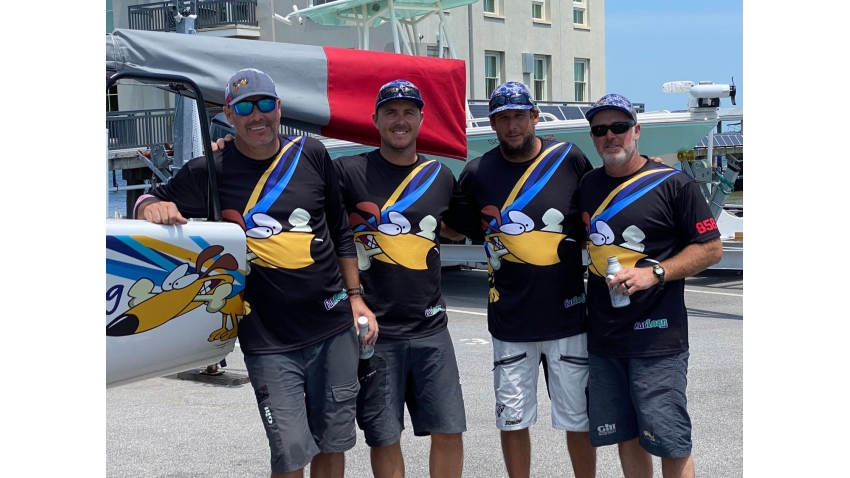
{"x":692,"y":260}
{"x":349,"y":271}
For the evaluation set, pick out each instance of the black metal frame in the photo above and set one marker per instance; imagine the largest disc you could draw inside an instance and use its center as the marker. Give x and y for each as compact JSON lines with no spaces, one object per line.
{"x":177,"y":84}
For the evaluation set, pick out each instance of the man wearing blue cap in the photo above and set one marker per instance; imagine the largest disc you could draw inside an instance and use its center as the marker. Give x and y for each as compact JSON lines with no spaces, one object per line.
{"x":298,"y":334}
{"x":525,"y":192}
{"x":656,"y":222}
{"x":397,"y":201}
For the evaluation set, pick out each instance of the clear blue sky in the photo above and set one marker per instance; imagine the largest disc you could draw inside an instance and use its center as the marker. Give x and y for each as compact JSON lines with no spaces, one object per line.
{"x":648,"y":43}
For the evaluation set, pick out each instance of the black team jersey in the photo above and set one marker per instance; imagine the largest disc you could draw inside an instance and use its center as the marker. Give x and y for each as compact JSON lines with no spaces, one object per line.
{"x":532,"y":234}
{"x":288,"y":206}
{"x":648,"y":216}
{"x":395,"y":213}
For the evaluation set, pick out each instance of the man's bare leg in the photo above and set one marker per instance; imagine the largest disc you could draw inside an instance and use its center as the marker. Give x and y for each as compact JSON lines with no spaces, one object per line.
{"x":582,"y":454}
{"x":328,"y":465}
{"x":387,"y":461}
{"x":516,"y":448}
{"x":677,"y":467}
{"x":446,"y":458}
{"x":637,"y":463}
{"x":289,"y":474}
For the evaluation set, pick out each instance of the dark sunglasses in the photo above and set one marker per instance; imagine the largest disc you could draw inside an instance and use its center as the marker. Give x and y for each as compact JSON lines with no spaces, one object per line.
{"x":619,"y":127}
{"x":265,"y":105}
{"x":512,"y":99}
{"x":395,"y":91}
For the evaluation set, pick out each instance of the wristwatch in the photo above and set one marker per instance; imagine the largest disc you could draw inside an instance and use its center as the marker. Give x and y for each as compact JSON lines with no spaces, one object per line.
{"x":659,"y":274}
{"x":356,"y":291}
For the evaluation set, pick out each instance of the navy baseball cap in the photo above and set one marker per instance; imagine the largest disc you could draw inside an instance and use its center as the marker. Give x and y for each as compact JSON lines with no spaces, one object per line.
{"x":248,"y":82}
{"x":611,"y":101}
{"x":512,"y":95}
{"x":399,"y":90}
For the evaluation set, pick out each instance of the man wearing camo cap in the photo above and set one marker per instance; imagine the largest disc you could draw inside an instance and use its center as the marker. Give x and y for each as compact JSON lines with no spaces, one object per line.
{"x":526,"y":192}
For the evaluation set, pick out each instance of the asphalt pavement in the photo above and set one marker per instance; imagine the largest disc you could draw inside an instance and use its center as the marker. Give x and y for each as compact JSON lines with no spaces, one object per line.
{"x":168,"y":427}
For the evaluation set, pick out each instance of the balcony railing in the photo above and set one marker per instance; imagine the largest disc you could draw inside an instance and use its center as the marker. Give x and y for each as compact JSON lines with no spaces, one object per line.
{"x":141,"y":129}
{"x":157,"y":17}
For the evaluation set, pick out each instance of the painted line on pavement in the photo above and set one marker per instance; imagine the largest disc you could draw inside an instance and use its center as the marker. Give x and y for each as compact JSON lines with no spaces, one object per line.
{"x":715,"y":293}
{"x":466,"y":312}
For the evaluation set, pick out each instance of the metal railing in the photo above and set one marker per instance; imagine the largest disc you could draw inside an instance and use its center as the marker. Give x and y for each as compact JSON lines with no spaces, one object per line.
{"x":141,"y":129}
{"x":134,"y":129}
{"x":157,"y":17}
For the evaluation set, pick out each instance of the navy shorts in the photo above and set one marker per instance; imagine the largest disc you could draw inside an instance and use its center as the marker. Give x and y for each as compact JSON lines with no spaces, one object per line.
{"x":421,"y":373}
{"x":307,"y":399}
{"x":640,"y":398}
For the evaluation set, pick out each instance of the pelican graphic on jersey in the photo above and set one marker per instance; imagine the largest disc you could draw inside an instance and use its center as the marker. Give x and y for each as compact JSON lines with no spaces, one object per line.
{"x":269,"y":244}
{"x":385,"y":234}
{"x":511,"y":235}
{"x":602,"y":238}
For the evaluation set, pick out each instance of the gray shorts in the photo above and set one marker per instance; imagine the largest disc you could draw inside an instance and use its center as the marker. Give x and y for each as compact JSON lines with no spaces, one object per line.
{"x":307,"y":399}
{"x":421,"y":373}
{"x":515,"y":373}
{"x":643,"y":398}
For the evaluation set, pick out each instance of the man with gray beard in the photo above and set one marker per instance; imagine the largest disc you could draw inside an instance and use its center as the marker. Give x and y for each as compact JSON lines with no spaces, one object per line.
{"x":526,"y":192}
{"x":655,"y":221}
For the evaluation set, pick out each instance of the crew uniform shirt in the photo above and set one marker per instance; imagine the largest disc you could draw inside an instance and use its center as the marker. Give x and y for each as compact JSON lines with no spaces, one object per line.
{"x":395,"y":213}
{"x":648,"y":216}
{"x":296,"y":228}
{"x":532,"y":234}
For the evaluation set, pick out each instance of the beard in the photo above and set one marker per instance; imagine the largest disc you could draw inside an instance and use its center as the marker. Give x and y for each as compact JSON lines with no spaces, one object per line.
{"x":620,"y":158}
{"x":521,"y":151}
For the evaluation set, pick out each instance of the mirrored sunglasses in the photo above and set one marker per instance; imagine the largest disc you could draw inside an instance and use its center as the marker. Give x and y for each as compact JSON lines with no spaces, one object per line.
{"x":265,"y":105}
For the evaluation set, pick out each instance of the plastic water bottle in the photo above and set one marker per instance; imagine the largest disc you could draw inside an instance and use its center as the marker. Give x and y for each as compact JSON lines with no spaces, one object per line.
{"x":366,"y":351}
{"x":617,"y":299}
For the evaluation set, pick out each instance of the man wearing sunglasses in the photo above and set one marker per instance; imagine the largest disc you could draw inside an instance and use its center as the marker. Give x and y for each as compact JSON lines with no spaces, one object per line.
{"x":397,"y":200}
{"x":302,"y":289}
{"x":655,"y":220}
{"x":526,"y":192}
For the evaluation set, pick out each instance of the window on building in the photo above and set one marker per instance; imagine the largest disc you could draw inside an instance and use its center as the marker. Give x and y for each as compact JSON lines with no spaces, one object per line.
{"x":540,"y":10}
{"x":110,"y":21}
{"x":493,"y":7}
{"x":580,"y":77}
{"x":112,"y":98}
{"x":434,"y":51}
{"x":492,"y":71}
{"x":541,"y":66}
{"x":580,"y":13}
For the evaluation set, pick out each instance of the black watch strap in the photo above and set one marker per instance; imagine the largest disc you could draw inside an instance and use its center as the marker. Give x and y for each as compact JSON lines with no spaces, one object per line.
{"x":356,"y":291}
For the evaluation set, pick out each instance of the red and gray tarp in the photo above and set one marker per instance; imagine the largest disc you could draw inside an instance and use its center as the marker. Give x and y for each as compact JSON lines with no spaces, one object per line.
{"x":324,"y":90}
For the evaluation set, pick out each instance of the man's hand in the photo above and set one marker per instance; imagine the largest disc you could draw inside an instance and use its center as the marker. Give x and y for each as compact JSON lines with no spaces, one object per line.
{"x":162,"y":212}
{"x":359,"y":309}
{"x":654,"y":158}
{"x":450,"y":233}
{"x":221,"y":142}
{"x":629,"y":281}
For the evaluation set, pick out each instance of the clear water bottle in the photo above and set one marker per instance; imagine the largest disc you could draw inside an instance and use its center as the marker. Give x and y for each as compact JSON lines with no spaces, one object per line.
{"x":617,"y":299}
{"x":366,"y":351}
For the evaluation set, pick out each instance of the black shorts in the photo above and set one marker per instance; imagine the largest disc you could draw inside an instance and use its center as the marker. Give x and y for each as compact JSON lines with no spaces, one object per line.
{"x":643,"y":398}
{"x":421,"y":373}
{"x":307,"y":399}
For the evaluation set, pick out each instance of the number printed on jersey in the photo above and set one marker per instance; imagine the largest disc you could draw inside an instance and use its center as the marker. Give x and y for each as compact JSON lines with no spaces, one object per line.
{"x":706,"y":225}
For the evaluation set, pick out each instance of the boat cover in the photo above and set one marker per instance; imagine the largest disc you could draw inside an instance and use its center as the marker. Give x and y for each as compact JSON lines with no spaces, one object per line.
{"x":323,"y":90}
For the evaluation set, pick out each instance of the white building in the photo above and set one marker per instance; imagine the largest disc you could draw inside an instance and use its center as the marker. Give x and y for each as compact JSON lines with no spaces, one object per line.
{"x":557,"y":47}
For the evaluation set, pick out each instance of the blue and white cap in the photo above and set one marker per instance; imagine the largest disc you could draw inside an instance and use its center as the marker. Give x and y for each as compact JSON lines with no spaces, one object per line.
{"x":399,"y":90}
{"x":611,"y":101}
{"x":512,"y":95}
